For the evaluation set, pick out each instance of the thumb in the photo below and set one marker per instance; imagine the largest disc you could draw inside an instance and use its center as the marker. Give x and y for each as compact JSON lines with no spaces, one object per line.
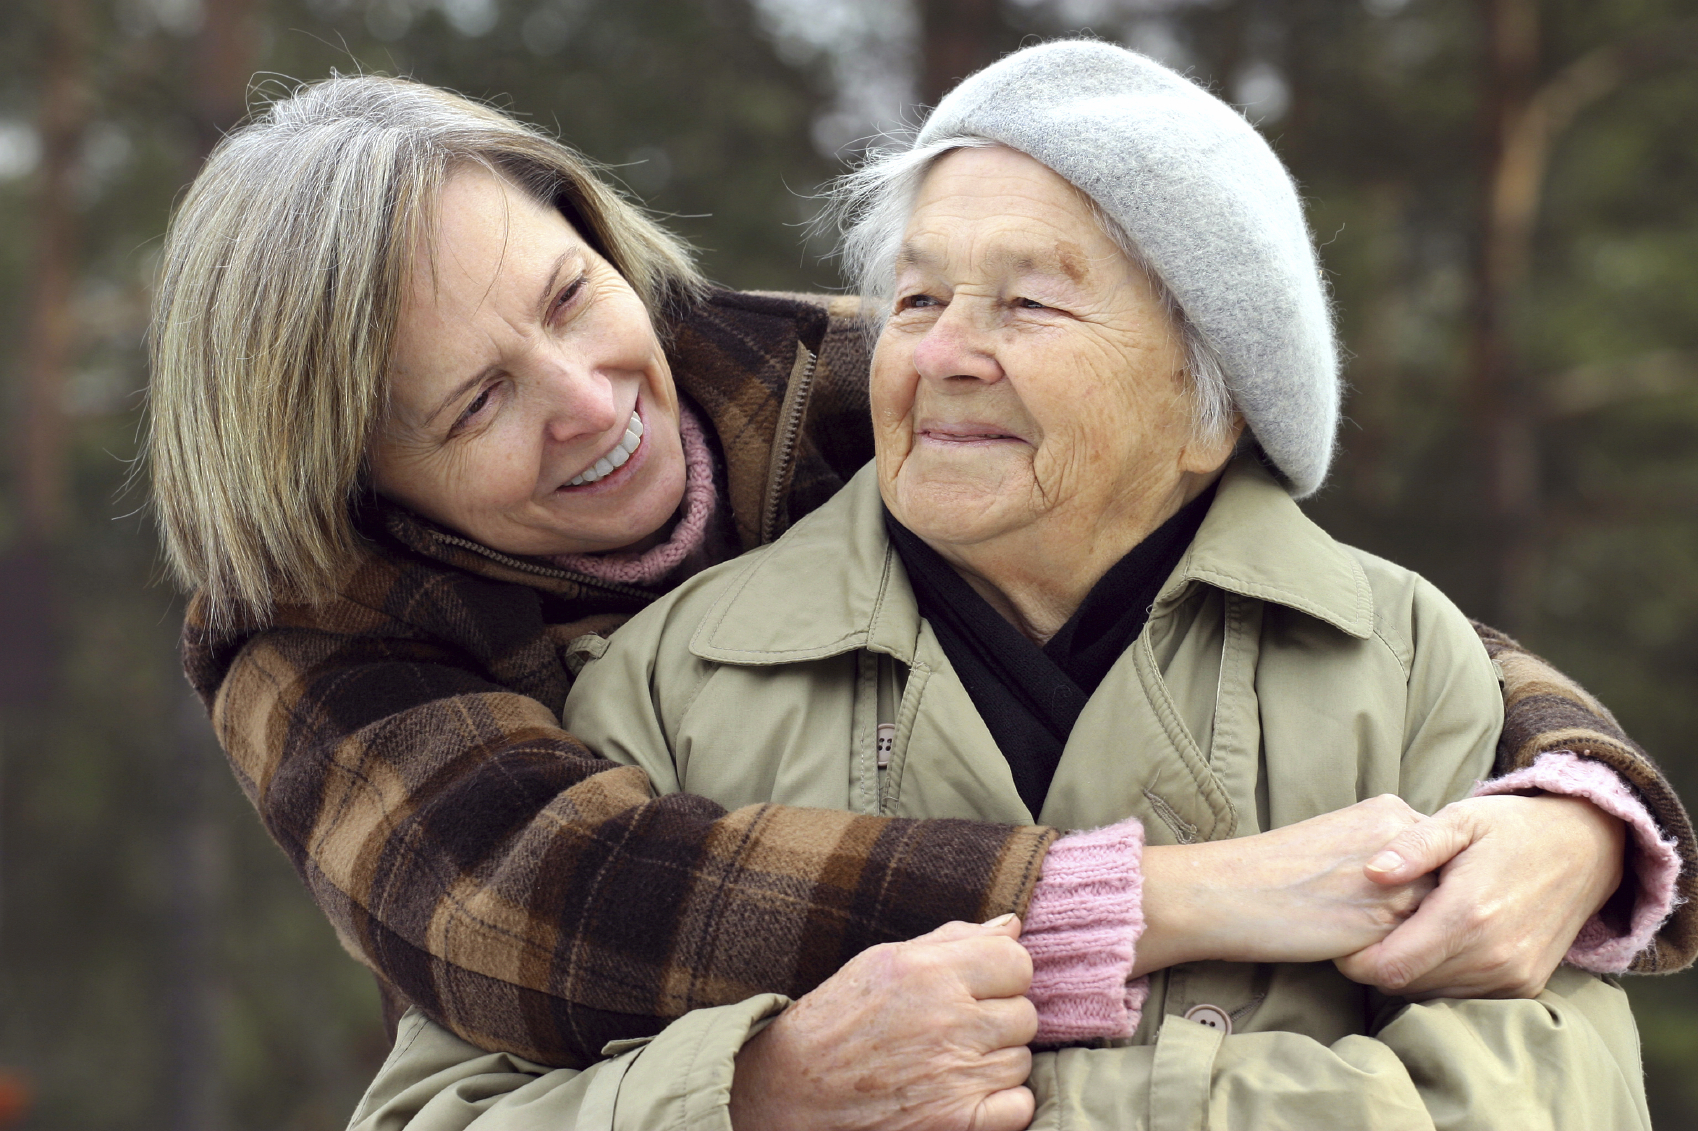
{"x":1008,"y":924}
{"x":1007,"y":1110}
{"x":1426,"y":846}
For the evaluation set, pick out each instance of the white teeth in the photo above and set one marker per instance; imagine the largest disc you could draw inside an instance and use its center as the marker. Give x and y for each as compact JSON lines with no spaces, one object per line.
{"x":621,"y":452}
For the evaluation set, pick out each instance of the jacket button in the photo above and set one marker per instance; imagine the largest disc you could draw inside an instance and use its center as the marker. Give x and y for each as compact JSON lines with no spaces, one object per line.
{"x":1211,"y":1015}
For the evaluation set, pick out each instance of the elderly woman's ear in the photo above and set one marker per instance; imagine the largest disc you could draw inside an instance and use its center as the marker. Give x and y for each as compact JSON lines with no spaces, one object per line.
{"x":1207,"y":454}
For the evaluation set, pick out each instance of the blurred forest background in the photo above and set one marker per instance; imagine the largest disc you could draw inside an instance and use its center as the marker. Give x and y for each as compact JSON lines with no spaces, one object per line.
{"x":1506,"y":192}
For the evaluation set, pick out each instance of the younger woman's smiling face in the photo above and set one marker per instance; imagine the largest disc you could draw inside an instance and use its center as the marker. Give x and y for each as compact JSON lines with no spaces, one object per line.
{"x":531,"y":407}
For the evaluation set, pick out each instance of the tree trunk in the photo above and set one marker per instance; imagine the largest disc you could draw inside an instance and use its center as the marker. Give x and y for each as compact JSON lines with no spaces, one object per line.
{"x":957,"y":38}
{"x":51,"y":327}
{"x":193,"y":978}
{"x":226,"y":52}
{"x":1505,"y":416}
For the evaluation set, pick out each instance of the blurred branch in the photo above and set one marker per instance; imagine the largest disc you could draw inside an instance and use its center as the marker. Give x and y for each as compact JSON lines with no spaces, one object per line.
{"x":1591,"y":388}
{"x":1530,"y":136}
{"x":51,"y":328}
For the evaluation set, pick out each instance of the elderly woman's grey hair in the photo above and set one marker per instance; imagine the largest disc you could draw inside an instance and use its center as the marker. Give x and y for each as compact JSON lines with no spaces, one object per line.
{"x":871,"y":205}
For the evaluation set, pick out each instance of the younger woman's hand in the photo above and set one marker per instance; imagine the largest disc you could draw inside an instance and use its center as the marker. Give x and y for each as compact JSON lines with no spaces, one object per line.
{"x":1519,"y":876}
{"x":1296,"y":894}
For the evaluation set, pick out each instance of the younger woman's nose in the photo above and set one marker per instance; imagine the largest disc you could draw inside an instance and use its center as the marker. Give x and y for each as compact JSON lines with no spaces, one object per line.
{"x":576,"y":402}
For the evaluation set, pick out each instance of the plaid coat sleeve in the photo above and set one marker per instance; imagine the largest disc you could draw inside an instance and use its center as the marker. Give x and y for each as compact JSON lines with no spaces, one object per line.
{"x":522,"y":891}
{"x":1544,"y":710}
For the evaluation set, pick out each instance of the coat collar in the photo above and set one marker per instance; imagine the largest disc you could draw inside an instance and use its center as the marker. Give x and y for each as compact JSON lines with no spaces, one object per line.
{"x":1257,"y":542}
{"x":834,"y":584}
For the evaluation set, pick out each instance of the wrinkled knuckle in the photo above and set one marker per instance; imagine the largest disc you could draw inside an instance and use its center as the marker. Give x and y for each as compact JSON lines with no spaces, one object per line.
{"x":1502,"y":961}
{"x":900,"y":962}
{"x":1393,"y":974}
{"x":1531,"y":987}
{"x":1473,"y":920}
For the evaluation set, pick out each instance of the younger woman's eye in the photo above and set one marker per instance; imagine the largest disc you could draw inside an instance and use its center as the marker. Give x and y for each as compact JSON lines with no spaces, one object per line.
{"x":567,"y":294}
{"x":477,"y":406}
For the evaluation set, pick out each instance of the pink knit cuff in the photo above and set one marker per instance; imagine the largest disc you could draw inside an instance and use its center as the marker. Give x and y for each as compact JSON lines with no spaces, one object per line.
{"x":1654,"y":861}
{"x":1082,"y":932}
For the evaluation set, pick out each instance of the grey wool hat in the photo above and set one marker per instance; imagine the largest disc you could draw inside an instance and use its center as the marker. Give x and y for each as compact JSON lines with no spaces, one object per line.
{"x":1204,"y":197}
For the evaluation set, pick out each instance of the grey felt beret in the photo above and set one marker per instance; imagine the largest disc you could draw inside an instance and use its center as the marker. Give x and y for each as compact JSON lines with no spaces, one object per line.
{"x":1213,"y":209}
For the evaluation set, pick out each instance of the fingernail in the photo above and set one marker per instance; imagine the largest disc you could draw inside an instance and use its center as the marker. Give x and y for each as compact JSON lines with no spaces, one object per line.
{"x":1385,"y":862}
{"x":999,"y":920}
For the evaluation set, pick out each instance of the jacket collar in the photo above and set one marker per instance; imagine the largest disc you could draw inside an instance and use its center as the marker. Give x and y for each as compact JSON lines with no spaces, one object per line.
{"x":834,"y":584}
{"x":1257,"y":542}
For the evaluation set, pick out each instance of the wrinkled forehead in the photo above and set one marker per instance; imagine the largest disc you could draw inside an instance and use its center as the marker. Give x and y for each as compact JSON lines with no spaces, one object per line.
{"x":1011,"y":214}
{"x":1014,"y":254}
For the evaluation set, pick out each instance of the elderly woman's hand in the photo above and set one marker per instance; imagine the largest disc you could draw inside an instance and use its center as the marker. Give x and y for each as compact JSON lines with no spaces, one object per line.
{"x":925,"y":1034}
{"x":1519,"y":877}
{"x":1296,"y":894}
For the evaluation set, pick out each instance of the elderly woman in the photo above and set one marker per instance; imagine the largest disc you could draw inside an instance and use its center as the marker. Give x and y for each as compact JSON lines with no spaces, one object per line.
{"x":1057,"y":592}
{"x":431,"y":407}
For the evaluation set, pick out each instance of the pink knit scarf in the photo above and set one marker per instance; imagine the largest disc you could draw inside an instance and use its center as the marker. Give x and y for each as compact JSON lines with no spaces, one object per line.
{"x":700,"y":498}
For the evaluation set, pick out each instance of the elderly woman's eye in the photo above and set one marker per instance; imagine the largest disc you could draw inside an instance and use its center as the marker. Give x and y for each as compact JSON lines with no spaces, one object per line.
{"x":1030,"y":304}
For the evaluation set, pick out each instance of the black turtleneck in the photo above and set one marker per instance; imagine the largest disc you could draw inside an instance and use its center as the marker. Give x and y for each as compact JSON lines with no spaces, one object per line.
{"x":1030,"y":697}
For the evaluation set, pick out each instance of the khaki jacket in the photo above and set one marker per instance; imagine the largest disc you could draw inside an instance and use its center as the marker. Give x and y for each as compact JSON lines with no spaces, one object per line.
{"x":1281,"y":675}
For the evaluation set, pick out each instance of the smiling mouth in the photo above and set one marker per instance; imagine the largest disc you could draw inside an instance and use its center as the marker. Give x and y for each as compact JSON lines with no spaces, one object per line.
{"x":965,"y":435}
{"x":614,"y":459}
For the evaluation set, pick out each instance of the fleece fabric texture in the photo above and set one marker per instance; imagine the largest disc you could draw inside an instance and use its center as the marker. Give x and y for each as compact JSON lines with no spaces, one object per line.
{"x":1214,"y":211}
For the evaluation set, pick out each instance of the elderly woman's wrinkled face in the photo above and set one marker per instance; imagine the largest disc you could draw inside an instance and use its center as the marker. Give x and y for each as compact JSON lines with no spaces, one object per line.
{"x":1029,"y":382}
{"x":531,"y":407}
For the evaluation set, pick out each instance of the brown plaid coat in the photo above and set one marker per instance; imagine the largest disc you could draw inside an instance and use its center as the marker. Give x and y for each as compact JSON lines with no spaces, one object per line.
{"x":403,"y":746}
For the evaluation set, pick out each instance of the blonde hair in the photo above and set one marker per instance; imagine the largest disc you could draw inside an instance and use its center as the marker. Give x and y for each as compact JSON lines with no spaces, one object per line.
{"x":283,"y":276}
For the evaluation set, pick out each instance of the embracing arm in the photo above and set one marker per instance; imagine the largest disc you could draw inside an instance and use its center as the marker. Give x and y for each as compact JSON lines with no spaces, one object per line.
{"x":1547,"y":712}
{"x":1594,"y":789}
{"x":530,"y":895}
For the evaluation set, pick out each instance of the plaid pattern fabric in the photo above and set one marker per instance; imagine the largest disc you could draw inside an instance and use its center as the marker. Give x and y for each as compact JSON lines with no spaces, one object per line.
{"x":403,"y":747}
{"x":1544,"y":710}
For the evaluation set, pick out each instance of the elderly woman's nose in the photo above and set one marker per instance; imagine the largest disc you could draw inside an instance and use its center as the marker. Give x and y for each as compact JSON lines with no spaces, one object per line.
{"x":956,"y":346}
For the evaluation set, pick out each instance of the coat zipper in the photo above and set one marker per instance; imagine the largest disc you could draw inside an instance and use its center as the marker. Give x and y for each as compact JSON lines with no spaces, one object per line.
{"x":544,"y":571}
{"x":784,"y":442}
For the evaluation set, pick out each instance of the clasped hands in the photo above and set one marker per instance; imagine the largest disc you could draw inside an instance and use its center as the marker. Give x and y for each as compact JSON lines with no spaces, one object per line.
{"x":1482,"y":899}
